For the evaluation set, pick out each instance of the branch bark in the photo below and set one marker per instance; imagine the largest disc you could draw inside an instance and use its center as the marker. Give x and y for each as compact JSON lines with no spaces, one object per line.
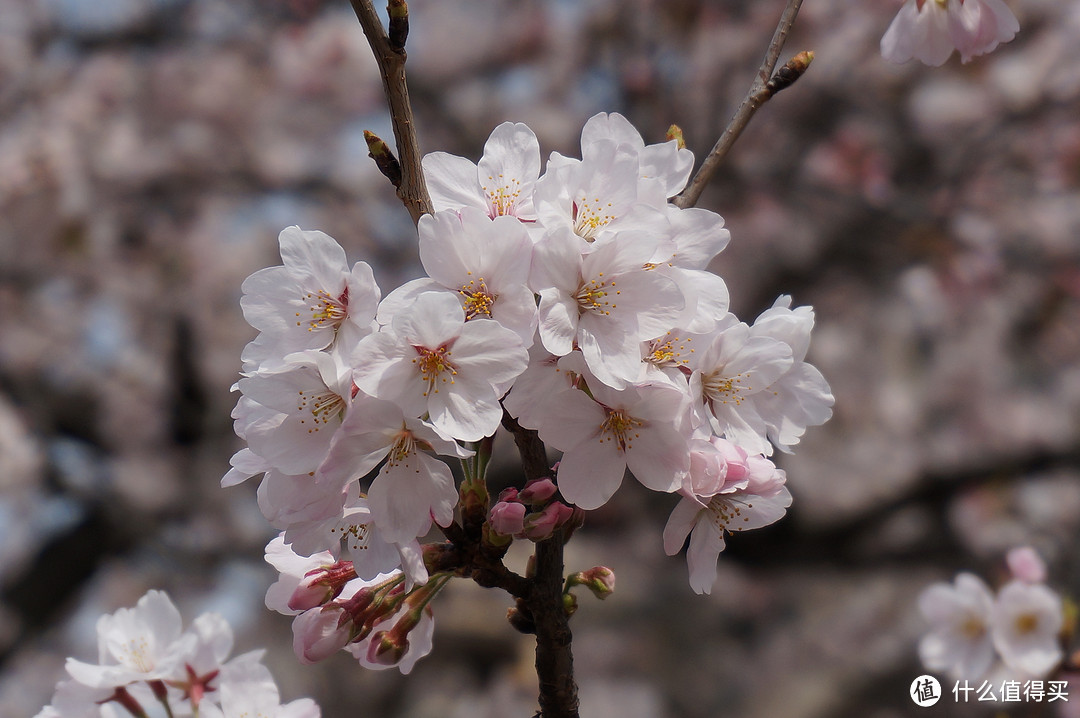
{"x":554,"y":658}
{"x":758,"y":95}
{"x":413,"y":189}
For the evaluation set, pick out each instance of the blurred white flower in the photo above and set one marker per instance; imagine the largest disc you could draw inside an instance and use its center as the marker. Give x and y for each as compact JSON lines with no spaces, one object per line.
{"x":929,"y":30}
{"x":960,"y":615}
{"x":1027,"y":619}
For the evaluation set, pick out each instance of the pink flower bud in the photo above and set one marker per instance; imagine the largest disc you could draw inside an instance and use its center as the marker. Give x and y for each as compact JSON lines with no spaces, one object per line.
{"x":319,"y":633}
{"x":386,"y":648}
{"x":310,"y":594}
{"x":539,"y":525}
{"x":1026,"y":565}
{"x":508,"y":494}
{"x":507,"y":518}
{"x":321,"y":585}
{"x":537,"y":491}
{"x":598,"y":579}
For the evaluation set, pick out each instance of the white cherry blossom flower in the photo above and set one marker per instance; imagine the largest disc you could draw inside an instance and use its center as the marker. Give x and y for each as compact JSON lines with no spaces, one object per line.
{"x":136,"y":644}
{"x":288,"y":415}
{"x":800,"y":397}
{"x":598,"y":195}
{"x":248,"y":689}
{"x":500,"y":185}
{"x":730,"y":375}
{"x":484,"y":262}
{"x":1027,"y":620}
{"x":643,"y":428}
{"x":929,"y":30}
{"x":412,"y":488}
{"x":706,"y":519}
{"x":663,"y":164}
{"x":960,"y":615}
{"x":310,"y":301}
{"x":431,"y":361}
{"x":606,"y":302}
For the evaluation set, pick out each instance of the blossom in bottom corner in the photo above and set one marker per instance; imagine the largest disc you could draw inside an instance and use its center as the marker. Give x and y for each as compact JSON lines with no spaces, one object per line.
{"x":929,"y":30}
{"x":961,"y":616}
{"x":1027,"y":622}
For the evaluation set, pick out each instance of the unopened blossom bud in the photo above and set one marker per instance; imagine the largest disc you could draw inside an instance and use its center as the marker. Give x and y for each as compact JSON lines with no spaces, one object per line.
{"x":789,"y":73}
{"x":675,"y":133}
{"x":507,"y":518}
{"x":398,"y":28}
{"x":387,"y":649}
{"x":569,"y":604}
{"x":321,"y":585}
{"x":379,"y":151}
{"x":521,"y":619}
{"x":1026,"y":565}
{"x":508,"y":494}
{"x":540,"y":525}
{"x":537,"y":491}
{"x":598,"y":579}
{"x":320,"y":633}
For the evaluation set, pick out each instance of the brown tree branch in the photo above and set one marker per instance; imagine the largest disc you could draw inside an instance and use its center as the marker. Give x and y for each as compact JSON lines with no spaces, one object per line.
{"x":413,"y":189}
{"x":554,"y":658}
{"x":758,"y":95}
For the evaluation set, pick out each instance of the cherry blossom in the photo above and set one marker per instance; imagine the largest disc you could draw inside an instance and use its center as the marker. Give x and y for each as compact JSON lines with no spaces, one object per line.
{"x":310,"y":301}
{"x":431,"y":361}
{"x":929,"y":30}
{"x":1027,"y":619}
{"x":605,"y":302}
{"x":731,"y":374}
{"x":707,"y":517}
{"x":289,"y":414}
{"x":501,"y":184}
{"x":644,"y":428}
{"x":961,"y":616}
{"x":411,"y":488}
{"x":136,"y":644}
{"x":484,"y":262}
{"x":800,"y":397}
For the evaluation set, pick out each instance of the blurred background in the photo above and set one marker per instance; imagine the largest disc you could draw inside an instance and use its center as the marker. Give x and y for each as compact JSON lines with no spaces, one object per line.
{"x":151,"y":150}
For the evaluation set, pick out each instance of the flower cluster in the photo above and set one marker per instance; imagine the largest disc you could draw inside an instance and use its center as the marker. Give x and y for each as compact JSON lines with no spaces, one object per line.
{"x":929,"y":30}
{"x":334,"y":610}
{"x":975,"y":634}
{"x":146,"y":661}
{"x":576,"y":301}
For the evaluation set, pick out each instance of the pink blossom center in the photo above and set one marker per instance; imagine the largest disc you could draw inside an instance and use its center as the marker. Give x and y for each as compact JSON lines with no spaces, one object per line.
{"x":503,"y":197}
{"x":589,"y":217}
{"x":722,"y":389}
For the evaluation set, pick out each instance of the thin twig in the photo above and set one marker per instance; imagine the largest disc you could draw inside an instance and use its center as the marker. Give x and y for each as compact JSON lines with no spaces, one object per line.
{"x":412,"y":190}
{"x":755,"y":98}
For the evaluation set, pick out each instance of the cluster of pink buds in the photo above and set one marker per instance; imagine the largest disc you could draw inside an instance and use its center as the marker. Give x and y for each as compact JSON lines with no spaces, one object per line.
{"x":378,"y":621}
{"x":531,"y":513}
